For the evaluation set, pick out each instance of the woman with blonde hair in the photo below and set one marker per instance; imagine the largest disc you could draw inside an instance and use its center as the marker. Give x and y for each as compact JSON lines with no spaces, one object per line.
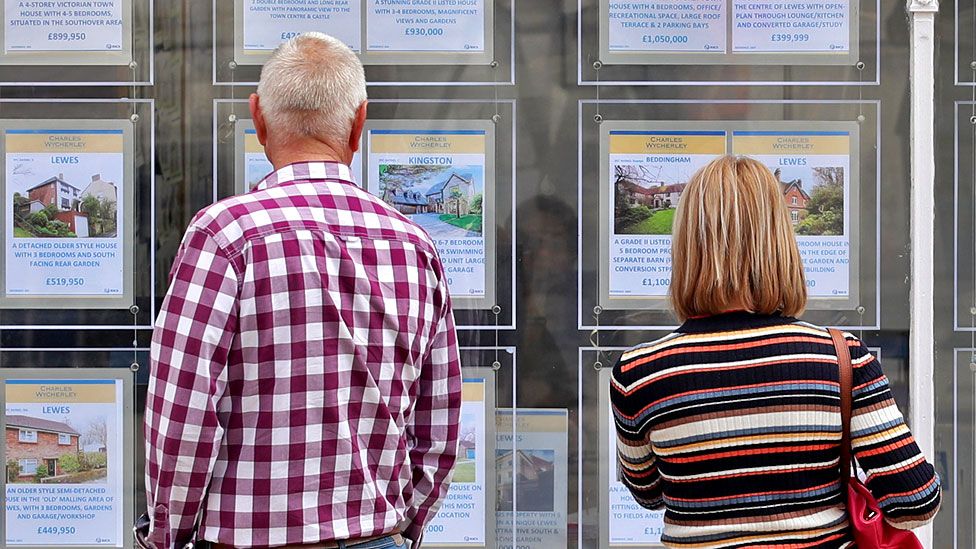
{"x":733,"y":422}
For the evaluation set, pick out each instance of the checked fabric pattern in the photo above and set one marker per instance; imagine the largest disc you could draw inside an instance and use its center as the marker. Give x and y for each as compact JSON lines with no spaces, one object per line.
{"x":305,"y":354}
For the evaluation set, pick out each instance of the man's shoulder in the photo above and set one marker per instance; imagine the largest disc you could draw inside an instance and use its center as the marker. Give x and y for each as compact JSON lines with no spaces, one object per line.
{"x":337,"y":207}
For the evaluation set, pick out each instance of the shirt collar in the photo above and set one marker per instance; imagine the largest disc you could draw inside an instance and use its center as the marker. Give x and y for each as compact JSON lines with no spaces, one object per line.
{"x":304,"y":171}
{"x":732,"y":320}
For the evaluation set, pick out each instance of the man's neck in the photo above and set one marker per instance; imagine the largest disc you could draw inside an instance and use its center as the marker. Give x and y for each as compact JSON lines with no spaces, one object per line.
{"x":304,"y":150}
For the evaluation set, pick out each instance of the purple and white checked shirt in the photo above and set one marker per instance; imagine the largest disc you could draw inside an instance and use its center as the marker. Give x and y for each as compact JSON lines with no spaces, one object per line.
{"x":304,"y":365}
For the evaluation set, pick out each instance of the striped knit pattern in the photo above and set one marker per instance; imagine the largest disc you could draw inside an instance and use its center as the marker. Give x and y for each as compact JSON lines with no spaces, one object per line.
{"x":733,"y":425}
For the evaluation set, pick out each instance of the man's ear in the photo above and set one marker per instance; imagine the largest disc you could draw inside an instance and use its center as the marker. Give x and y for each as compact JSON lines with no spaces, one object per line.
{"x":257,"y":117}
{"x":356,"y":136}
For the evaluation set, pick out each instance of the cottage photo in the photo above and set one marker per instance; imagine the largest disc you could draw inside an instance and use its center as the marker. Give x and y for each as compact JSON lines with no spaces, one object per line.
{"x":447,"y":201}
{"x":74,"y":202}
{"x":466,"y":468}
{"x":536,"y":485}
{"x":42,"y":450}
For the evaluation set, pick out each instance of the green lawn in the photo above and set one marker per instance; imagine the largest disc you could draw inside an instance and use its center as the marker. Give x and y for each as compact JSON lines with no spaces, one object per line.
{"x":470,"y":222}
{"x":659,"y":223}
{"x":21,"y":233}
{"x":464,"y":472}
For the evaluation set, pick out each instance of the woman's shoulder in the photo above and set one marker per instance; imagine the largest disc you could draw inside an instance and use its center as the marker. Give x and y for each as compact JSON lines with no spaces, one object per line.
{"x":680,"y":346}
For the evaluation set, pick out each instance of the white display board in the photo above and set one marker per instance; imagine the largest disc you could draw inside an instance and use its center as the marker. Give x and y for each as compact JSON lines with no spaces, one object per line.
{"x":68,"y":220}
{"x":430,"y":32}
{"x":463,"y":519}
{"x":624,"y":523}
{"x":441,"y":175}
{"x":532,"y":468}
{"x":68,"y":483}
{"x":96,"y":32}
{"x":646,"y":166}
{"x":729,"y":31}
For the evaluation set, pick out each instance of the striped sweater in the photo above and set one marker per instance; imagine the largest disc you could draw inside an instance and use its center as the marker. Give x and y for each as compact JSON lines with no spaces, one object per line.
{"x":732,"y":424}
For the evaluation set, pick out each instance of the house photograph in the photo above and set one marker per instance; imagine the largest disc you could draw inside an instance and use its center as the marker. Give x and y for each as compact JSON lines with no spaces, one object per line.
{"x":814,"y":197}
{"x":466,"y":468}
{"x":447,"y":201}
{"x":536,"y":479}
{"x":43,"y":450}
{"x":63,"y":206}
{"x":645,"y":198}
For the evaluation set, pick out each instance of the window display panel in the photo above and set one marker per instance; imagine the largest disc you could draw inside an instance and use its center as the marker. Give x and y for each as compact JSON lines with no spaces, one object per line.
{"x":465,"y":518}
{"x":647,"y":42}
{"x":645,"y":165}
{"x":72,"y":426}
{"x":440,"y":174}
{"x":110,"y":39}
{"x":964,"y":206}
{"x":609,"y":515}
{"x":77,"y":213}
{"x":533,"y":464}
{"x":454,"y":176}
{"x":431,"y":39}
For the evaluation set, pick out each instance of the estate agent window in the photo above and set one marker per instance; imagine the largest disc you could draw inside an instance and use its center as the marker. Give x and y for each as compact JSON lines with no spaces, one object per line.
{"x":64,"y":440}
{"x":28,"y":435}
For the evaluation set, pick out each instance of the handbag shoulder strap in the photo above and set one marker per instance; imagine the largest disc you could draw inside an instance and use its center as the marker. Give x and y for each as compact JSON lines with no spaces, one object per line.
{"x":846,"y":398}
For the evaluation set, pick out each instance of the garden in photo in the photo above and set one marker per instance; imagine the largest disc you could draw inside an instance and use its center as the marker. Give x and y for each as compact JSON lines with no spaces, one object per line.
{"x":646,"y":196}
{"x":42,"y":450}
{"x":447,"y":201}
{"x":466,"y":468}
{"x":54,"y":207}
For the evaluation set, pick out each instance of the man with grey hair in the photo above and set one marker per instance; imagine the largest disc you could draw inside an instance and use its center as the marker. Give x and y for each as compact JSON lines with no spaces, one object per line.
{"x":305,"y":385}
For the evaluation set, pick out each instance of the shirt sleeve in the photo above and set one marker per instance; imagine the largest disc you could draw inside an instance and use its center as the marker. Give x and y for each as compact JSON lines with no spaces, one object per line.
{"x":904,"y":483}
{"x":190,"y":346}
{"x":637,"y":464}
{"x":433,"y":428}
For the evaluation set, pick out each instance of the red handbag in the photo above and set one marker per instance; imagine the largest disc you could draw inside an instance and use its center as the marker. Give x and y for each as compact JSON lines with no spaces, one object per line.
{"x":870,"y":529}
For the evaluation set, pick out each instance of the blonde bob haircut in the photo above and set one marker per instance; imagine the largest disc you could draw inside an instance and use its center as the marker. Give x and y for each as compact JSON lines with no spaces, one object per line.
{"x":733,"y":246}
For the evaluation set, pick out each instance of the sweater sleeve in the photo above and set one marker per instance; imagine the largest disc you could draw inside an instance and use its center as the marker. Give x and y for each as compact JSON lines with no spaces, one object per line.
{"x":635,"y":456}
{"x":904,"y":483}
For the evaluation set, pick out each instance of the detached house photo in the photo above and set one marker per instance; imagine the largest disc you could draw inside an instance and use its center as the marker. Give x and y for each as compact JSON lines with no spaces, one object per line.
{"x":818,"y":211}
{"x":38,"y":446}
{"x":447,"y":201}
{"x":536,"y":479}
{"x":56,"y":207}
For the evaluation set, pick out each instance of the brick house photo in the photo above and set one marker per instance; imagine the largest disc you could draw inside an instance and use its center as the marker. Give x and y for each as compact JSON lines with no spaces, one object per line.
{"x":796,"y":197}
{"x":34,"y":442}
{"x":56,"y":207}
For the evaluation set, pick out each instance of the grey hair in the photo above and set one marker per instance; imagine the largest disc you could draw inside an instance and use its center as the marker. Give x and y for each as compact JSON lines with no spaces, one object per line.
{"x":312,"y":86}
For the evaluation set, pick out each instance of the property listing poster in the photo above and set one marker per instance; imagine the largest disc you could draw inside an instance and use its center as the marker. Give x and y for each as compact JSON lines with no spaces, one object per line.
{"x":426,"y":25}
{"x":437,"y":178}
{"x":64,"y":200}
{"x":268,"y":23}
{"x":648,"y":173}
{"x":64,"y":447}
{"x":63,"y":25}
{"x":791,"y":26}
{"x":539,"y":463}
{"x":257,"y":166}
{"x":668,"y":26}
{"x":461,"y":518}
{"x":629,"y":523}
{"x":814,"y":168}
